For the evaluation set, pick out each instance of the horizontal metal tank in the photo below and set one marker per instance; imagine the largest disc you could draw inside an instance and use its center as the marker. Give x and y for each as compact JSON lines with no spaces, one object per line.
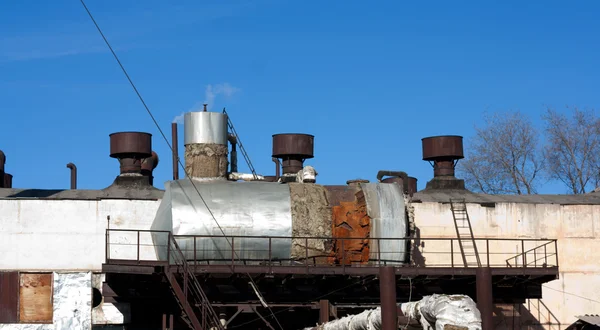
{"x":285,"y":211}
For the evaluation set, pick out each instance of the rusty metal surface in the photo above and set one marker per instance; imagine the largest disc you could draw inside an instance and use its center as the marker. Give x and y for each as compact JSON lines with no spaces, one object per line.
{"x":73,"y":169}
{"x":35,"y":298}
{"x":148,"y":165}
{"x":130,"y":143}
{"x":7,"y":180}
{"x":338,"y":194}
{"x":2,"y":160}
{"x":350,"y":220}
{"x":301,"y":145}
{"x":175,"y":148}
{"x":444,"y":146}
{"x":9,"y":297}
{"x":412,"y":185}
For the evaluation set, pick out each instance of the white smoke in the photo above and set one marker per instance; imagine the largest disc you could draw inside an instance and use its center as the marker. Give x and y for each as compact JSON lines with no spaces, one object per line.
{"x":210,"y":94}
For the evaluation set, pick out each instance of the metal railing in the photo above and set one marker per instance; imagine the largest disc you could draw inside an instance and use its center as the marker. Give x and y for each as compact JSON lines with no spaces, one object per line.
{"x":535,"y":257}
{"x":151,"y":247}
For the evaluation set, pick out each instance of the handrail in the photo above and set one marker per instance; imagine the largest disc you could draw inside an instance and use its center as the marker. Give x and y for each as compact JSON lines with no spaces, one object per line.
{"x":196,"y":290}
{"x":265,"y":250}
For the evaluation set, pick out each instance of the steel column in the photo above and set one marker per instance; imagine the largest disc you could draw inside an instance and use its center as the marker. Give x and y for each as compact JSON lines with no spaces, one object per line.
{"x":324,"y":311}
{"x":484,"y":296}
{"x":387,"y":293}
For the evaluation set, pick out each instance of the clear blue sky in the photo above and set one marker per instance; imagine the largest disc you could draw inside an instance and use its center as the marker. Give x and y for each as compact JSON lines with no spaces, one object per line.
{"x":368,"y":79}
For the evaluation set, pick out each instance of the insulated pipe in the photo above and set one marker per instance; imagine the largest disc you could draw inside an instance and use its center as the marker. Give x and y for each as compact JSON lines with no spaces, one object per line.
{"x":400,"y":174}
{"x":174,"y":145}
{"x":73,"y":169}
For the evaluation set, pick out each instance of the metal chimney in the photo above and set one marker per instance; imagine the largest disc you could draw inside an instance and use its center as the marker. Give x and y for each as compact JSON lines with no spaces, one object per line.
{"x":5,"y":178}
{"x":205,"y":139}
{"x":293,"y":150}
{"x":443,"y":152}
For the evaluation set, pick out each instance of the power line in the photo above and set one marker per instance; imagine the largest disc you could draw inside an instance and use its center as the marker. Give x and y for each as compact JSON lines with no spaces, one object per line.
{"x":168,"y":144}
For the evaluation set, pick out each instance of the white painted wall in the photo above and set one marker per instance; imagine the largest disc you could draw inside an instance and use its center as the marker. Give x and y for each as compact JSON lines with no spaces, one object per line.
{"x":577,"y":228}
{"x":59,"y":235}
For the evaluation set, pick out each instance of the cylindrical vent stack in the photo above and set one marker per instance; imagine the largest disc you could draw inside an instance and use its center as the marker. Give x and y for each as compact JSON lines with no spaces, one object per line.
{"x":293,"y":149}
{"x":131,"y":148}
{"x":412,"y":185}
{"x":443,"y":151}
{"x":205,"y":139}
{"x":5,"y":178}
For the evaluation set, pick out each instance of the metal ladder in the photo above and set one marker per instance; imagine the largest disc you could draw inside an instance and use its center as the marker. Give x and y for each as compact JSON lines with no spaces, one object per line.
{"x":464,"y":232}
{"x":239,"y":142}
{"x":188,"y":292}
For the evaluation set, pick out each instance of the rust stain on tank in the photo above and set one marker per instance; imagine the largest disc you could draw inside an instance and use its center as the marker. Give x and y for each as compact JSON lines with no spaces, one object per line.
{"x":350,"y":220}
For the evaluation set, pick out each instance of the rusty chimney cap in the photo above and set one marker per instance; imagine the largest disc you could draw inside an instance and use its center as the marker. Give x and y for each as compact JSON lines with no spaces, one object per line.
{"x":128,"y":143}
{"x":442,"y":147}
{"x":293,"y":144}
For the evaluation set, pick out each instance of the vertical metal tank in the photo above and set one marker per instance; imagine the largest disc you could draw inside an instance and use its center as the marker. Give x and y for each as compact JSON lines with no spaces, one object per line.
{"x":205,"y":139}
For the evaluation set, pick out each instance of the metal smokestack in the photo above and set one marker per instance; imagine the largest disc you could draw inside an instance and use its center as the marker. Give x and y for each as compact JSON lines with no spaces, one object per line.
{"x":205,"y":139}
{"x":443,"y":152}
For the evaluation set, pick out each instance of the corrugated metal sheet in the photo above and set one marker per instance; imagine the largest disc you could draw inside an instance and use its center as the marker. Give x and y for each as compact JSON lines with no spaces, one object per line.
{"x":591,"y":319}
{"x":9,"y":297}
{"x":35,"y":303}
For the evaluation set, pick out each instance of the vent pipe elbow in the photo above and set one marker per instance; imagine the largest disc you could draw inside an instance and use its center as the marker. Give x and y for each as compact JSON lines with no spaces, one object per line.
{"x":73,"y":169}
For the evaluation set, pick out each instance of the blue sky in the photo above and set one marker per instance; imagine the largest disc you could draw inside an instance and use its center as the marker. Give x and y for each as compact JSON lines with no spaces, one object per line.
{"x":368,"y":79}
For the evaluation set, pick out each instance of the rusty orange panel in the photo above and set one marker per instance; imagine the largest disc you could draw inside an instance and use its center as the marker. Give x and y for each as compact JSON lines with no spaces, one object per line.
{"x":350,"y":220}
{"x":9,"y":297}
{"x":35,"y":303}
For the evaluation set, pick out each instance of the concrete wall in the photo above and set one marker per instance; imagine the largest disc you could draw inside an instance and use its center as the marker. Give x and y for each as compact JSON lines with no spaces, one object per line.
{"x":577,"y":228}
{"x":58,"y":235}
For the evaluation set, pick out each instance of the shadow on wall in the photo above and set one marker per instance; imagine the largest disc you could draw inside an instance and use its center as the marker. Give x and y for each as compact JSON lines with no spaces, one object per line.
{"x":417,"y":258}
{"x":532,"y":315}
{"x":36,"y":193}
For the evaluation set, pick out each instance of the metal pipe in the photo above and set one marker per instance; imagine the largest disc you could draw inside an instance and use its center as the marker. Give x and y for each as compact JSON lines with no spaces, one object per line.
{"x":73,"y":175}
{"x":484,"y":296}
{"x":2,"y":161}
{"x":387,"y":293}
{"x":277,"y":168}
{"x":399,"y":174}
{"x":174,"y":145}
{"x":233,"y":158}
{"x":323,"y":311}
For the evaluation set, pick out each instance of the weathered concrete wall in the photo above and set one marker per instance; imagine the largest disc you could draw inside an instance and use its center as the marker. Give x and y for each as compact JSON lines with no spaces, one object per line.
{"x":577,"y":228}
{"x":63,"y":235}
{"x":205,"y":160}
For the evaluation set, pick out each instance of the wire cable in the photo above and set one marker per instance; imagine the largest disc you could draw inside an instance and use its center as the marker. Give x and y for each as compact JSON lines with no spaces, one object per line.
{"x":167,"y":141}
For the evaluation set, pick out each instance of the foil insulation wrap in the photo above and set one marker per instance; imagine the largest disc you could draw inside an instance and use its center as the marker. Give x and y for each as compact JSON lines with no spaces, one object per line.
{"x":385,"y":206}
{"x":240,"y":208}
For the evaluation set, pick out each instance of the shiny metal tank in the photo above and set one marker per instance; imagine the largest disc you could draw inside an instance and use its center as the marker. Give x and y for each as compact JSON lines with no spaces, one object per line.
{"x":205,"y":127}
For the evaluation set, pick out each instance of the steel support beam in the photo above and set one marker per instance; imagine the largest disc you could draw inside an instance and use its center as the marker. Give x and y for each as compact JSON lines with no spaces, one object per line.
{"x":387,"y":292}
{"x":323,"y":311}
{"x":485,"y":297}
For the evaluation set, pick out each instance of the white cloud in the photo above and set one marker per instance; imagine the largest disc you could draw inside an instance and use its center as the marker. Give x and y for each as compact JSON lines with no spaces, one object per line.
{"x":210,"y":95}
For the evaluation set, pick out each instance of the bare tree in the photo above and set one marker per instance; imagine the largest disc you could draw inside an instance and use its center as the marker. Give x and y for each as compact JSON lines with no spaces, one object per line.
{"x":573,"y":148}
{"x":504,"y":156}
